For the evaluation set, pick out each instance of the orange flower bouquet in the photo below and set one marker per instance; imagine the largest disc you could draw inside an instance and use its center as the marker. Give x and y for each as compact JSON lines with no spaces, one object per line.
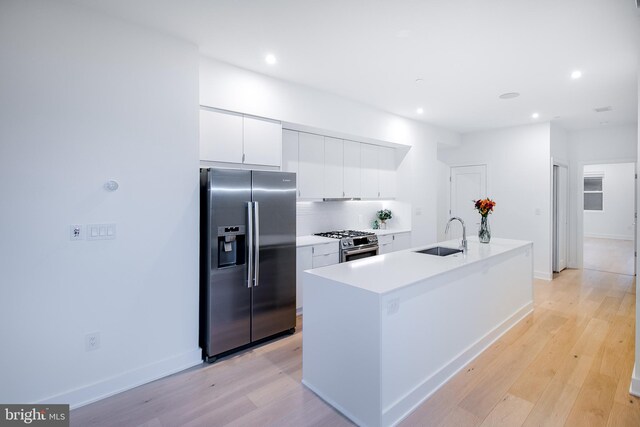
{"x":484,"y":207}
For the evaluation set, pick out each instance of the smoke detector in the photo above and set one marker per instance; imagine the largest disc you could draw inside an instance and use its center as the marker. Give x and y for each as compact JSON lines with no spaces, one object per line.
{"x":603,"y":109}
{"x":511,"y":95}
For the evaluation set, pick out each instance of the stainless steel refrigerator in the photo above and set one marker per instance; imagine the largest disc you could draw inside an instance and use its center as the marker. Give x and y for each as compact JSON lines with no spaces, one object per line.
{"x":247,"y":258}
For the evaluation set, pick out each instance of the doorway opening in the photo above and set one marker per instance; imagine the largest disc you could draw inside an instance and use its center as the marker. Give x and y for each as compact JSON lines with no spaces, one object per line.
{"x":609,"y":217}
{"x":560,"y":227}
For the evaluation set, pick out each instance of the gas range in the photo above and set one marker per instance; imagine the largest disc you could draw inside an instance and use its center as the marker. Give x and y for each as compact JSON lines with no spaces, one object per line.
{"x":354,"y":244}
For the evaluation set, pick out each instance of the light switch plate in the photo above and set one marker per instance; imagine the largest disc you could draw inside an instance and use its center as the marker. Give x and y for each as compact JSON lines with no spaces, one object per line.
{"x":101,"y":231}
{"x":76,"y":232}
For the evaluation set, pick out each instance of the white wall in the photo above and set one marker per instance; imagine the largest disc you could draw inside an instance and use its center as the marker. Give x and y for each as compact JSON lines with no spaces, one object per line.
{"x":85,"y":99}
{"x":616,"y":219}
{"x":607,"y":144}
{"x":518,"y":178}
{"x":559,"y":145}
{"x":231,"y":88}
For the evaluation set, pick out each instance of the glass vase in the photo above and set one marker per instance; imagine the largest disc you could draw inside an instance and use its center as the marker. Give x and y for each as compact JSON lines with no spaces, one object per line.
{"x":484,"y":234}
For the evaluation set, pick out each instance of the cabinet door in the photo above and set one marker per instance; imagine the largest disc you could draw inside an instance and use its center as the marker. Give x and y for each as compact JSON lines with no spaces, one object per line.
{"x":289,"y":151}
{"x":304,"y":261}
{"x":369,"y":171}
{"x":310,"y":166}
{"x":326,"y":259}
{"x":351,"y":174}
{"x":401,"y":241}
{"x":220,"y":137}
{"x":333,"y":167}
{"x":262,"y":142}
{"x":387,"y":172}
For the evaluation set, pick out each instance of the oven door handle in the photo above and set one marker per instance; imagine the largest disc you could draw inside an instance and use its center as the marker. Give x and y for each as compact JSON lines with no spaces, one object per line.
{"x":346,"y":253}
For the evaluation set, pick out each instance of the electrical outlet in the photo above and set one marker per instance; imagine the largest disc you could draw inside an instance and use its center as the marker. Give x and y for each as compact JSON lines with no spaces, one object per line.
{"x":393,"y":305}
{"x":76,"y":232}
{"x":92,"y":341}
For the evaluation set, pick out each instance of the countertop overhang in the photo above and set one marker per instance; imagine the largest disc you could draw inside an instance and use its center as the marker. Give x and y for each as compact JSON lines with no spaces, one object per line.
{"x":388,"y":272}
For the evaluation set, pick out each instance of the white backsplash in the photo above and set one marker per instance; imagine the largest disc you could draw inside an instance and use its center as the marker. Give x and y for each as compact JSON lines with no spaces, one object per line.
{"x":316,"y":217}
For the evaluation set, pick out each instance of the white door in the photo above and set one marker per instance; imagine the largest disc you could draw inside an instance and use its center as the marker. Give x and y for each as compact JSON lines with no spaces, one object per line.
{"x":351,"y":169}
{"x":220,"y":137}
{"x":310,"y":166}
{"x":560,"y":226}
{"x":333,"y":168}
{"x":369,"y":171}
{"x":468,"y":183}
{"x":289,"y":151}
{"x":262,"y":142}
{"x":387,"y":172}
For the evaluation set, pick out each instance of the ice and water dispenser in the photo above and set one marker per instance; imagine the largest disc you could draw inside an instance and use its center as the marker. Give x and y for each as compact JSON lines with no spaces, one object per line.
{"x":231,"y":245}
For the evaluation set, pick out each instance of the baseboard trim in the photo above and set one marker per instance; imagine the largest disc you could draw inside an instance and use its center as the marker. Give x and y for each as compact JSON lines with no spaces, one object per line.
{"x":635,"y":383}
{"x":127,"y":380}
{"x":543,"y":276}
{"x":609,"y":236}
{"x":398,"y":411}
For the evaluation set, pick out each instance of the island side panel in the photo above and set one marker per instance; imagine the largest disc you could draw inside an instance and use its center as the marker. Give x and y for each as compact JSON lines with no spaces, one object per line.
{"x":341,"y":347}
{"x":432,"y":329}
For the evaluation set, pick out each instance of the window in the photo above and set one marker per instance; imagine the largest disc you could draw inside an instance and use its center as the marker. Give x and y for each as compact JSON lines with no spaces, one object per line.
{"x":593,"y":194}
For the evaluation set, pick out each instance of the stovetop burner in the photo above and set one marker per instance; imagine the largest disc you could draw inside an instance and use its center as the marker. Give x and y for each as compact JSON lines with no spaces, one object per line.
{"x":342,"y":234}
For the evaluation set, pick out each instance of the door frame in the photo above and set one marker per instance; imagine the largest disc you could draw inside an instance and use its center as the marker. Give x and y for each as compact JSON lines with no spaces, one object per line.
{"x":579,"y":211}
{"x":554,"y":228}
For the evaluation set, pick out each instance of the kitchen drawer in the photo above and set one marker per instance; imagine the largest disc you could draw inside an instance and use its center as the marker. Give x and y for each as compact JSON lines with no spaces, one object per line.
{"x":326,"y":259}
{"x":326,"y":248}
{"x":385,"y":239}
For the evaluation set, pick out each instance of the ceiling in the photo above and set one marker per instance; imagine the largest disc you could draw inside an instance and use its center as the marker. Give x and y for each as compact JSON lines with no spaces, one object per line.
{"x":467,"y":52}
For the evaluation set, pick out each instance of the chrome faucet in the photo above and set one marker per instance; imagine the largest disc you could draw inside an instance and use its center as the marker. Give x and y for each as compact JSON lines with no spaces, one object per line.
{"x":463,"y":244}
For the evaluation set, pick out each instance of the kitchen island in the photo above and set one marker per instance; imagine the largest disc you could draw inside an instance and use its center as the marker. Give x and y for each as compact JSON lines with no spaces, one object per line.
{"x":381,"y":334}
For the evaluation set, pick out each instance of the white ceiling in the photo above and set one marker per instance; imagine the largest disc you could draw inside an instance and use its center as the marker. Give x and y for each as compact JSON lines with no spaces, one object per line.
{"x":467,"y":51}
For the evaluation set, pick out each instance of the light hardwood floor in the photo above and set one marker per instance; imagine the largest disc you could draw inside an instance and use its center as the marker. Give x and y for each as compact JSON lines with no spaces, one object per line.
{"x":569,"y":363}
{"x":611,"y":255}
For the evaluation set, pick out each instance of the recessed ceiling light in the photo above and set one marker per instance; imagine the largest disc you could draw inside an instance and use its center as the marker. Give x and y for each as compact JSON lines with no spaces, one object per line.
{"x":418,"y":81}
{"x":270,"y":59}
{"x":535,"y":115}
{"x":576,"y":74}
{"x":419,"y":110}
{"x":509,"y":95}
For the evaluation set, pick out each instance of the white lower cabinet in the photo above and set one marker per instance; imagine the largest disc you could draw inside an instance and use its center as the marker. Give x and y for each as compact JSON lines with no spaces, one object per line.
{"x":401,"y":241}
{"x":394,"y":242}
{"x":308,"y":257}
{"x":304,"y":261}
{"x":385,"y":243}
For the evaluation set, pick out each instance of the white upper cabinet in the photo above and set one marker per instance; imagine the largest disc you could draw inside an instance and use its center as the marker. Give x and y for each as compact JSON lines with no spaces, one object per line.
{"x":369,"y":171}
{"x":234,"y":138}
{"x":351,"y":172}
{"x":310,"y":166}
{"x":262,"y":142}
{"x":387,"y":172}
{"x":333,"y":168}
{"x":220,"y":137}
{"x":289,"y":151}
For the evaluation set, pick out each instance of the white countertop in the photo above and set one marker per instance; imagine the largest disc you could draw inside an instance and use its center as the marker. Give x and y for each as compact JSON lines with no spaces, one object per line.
{"x":314,"y":240}
{"x":385,"y":273}
{"x":380,"y":232}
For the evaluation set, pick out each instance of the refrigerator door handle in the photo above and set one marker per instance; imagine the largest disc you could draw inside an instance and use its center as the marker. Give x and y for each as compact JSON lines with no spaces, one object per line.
{"x":250,"y":244}
{"x":256,"y":230}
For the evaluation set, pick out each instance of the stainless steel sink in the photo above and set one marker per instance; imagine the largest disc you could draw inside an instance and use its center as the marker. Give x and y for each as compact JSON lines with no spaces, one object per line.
{"x":440,"y":251}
